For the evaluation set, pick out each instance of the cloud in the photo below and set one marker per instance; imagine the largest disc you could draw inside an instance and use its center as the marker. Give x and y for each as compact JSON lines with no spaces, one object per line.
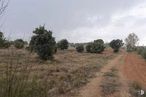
{"x":77,"y":20}
{"x":119,"y":26}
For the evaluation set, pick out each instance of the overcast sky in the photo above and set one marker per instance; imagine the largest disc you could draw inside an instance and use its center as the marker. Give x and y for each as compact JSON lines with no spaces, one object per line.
{"x":76,"y":20}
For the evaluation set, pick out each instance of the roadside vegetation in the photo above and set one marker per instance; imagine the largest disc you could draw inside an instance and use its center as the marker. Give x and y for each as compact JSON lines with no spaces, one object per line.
{"x":110,"y":84}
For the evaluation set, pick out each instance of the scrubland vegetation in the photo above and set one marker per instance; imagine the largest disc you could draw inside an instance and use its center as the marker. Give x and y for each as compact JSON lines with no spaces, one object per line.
{"x":46,"y":68}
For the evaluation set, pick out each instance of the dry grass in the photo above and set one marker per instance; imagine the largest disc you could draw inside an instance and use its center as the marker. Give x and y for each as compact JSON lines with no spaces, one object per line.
{"x":110,"y":83}
{"x":67,"y":71}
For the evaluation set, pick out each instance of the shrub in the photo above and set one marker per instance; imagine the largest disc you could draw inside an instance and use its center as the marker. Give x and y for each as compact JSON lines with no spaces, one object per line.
{"x":80,"y":48}
{"x":96,"y":47}
{"x":89,"y":47}
{"x":43,"y":43}
{"x":7,"y":44}
{"x":144,"y":53}
{"x":140,"y":50}
{"x":116,"y":44}
{"x":19,"y":43}
{"x":63,"y":44}
{"x":3,"y":42}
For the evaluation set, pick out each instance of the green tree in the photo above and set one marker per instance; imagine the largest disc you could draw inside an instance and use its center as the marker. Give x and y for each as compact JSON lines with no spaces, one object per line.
{"x":63,"y":44}
{"x":2,"y":40}
{"x":80,"y":48}
{"x":43,"y":43}
{"x":89,"y":47}
{"x":96,"y":47}
{"x":116,"y":45}
{"x":19,"y":43}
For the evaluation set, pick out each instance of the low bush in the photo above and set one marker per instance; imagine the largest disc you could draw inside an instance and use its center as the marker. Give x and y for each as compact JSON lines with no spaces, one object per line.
{"x":19,"y":43}
{"x":63,"y":44}
{"x":80,"y":48}
{"x":144,"y":53}
{"x":96,"y":47}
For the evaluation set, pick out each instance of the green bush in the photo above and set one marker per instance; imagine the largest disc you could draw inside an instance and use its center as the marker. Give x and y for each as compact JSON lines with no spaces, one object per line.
{"x":96,"y":47}
{"x":89,"y":47}
{"x":7,"y":44}
{"x":116,"y":44}
{"x":80,"y":48}
{"x":43,"y":43}
{"x":3,"y":42}
{"x":63,"y":44}
{"x":19,"y":43}
{"x":144,"y":53}
{"x":140,"y":50}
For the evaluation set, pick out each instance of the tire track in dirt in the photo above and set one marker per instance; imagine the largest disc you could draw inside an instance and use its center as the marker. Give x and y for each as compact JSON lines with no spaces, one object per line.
{"x":134,"y":68}
{"x":92,"y":89}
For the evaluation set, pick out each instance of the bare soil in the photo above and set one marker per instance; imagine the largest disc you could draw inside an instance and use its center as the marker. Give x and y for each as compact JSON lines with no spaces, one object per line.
{"x":93,"y":89}
{"x":134,"y":68}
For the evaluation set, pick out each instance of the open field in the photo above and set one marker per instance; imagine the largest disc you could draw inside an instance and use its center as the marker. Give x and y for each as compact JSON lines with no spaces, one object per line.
{"x":68,"y":71}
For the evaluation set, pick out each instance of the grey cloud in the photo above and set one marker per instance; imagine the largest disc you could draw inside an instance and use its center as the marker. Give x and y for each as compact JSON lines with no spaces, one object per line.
{"x":67,"y":18}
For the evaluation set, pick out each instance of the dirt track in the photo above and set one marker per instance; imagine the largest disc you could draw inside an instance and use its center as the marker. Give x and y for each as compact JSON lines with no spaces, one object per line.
{"x":130,"y":66}
{"x":92,"y":89}
{"x":134,"y":68}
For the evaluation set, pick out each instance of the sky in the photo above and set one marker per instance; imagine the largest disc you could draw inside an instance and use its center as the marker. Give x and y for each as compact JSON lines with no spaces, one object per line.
{"x":76,"y":20}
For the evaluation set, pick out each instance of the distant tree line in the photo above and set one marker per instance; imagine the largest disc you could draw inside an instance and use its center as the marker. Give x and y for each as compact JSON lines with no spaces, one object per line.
{"x":43,"y":43}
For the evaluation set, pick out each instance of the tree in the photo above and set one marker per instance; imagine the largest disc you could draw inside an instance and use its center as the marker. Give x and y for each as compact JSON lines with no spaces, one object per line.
{"x":3,"y":42}
{"x":116,"y":44}
{"x":43,"y":43}
{"x":80,"y":48}
{"x":63,"y":44}
{"x":3,"y":6}
{"x":131,"y":41}
{"x":2,"y":39}
{"x":96,"y":47}
{"x":19,"y":43}
{"x":89,"y":47}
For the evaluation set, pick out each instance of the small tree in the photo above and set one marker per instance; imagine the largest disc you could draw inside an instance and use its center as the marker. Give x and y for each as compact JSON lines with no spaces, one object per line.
{"x":19,"y":43}
{"x":2,"y":40}
{"x":116,"y":44}
{"x":80,"y":48}
{"x":63,"y":44}
{"x":131,"y":41}
{"x":96,"y":47}
{"x":43,"y":43}
{"x":89,"y":47}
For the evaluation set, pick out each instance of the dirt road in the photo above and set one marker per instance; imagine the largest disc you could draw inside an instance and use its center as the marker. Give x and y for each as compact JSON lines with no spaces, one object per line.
{"x":134,"y":68}
{"x":130,"y":66}
{"x":92,"y":89}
